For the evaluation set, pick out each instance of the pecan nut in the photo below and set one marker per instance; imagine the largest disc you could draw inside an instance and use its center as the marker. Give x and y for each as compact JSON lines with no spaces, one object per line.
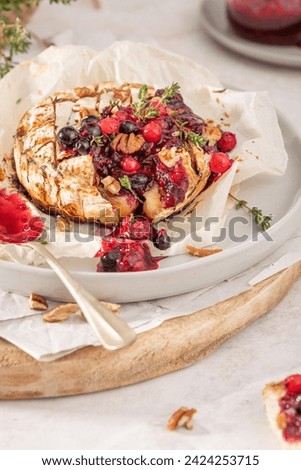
{"x":37,"y":302}
{"x":62,"y":312}
{"x":202,"y":252}
{"x":181,"y":418}
{"x":127,"y":143}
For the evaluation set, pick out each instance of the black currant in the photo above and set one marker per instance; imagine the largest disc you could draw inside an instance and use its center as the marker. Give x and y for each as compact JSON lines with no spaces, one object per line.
{"x":90,"y":129}
{"x":126,"y":127}
{"x":109,"y":260}
{"x":67,"y":136}
{"x":82,"y":146}
{"x":162,"y":240}
{"x":89,"y":119}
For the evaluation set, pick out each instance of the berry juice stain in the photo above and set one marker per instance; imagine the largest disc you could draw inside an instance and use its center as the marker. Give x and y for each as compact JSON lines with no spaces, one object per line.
{"x":275,"y":22}
{"x":17,"y":223}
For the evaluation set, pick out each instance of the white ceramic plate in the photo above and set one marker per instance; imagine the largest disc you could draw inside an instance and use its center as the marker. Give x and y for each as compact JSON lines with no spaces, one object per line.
{"x":280,"y":196}
{"x":214,"y":21}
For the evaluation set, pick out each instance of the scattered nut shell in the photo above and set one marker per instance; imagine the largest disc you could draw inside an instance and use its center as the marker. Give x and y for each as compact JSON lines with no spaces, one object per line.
{"x":202,"y":252}
{"x":37,"y":302}
{"x":62,"y":312}
{"x":181,"y":418}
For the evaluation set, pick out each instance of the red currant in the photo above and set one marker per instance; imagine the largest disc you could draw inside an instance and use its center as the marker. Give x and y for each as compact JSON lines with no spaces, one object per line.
{"x":220,"y":162}
{"x":109,"y":125}
{"x":152,"y":132}
{"x":293,"y":383}
{"x":227,"y":142}
{"x":130,"y":165}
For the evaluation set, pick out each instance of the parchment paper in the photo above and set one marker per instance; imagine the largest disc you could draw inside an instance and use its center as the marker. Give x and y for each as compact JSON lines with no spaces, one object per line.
{"x":250,"y":115}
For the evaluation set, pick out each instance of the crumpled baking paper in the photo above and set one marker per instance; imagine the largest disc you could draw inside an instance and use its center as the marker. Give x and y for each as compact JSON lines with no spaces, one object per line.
{"x":250,"y":115}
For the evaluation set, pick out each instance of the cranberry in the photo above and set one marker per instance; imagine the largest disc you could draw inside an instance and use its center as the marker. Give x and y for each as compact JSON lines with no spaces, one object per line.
{"x":68,"y":136}
{"x":130,"y":165}
{"x":227,"y":142}
{"x":178,"y":174}
{"x":82,"y":146}
{"x":152,"y":132}
{"x":220,"y":162}
{"x":89,"y":119}
{"x":109,"y":125}
{"x":127,"y":127}
{"x":293,"y":383}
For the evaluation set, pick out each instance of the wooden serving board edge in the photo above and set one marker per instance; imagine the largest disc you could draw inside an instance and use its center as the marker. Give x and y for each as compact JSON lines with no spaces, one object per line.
{"x":175,"y":344}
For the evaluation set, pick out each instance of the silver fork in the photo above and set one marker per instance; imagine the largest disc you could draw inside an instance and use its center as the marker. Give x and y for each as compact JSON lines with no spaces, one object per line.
{"x":112,"y":331}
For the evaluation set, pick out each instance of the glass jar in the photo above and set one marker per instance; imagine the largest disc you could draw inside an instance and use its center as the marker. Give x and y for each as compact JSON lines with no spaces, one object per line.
{"x":275,"y":22}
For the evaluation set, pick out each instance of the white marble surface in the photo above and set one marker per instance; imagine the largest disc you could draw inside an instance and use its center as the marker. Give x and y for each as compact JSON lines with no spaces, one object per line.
{"x":232,"y":377}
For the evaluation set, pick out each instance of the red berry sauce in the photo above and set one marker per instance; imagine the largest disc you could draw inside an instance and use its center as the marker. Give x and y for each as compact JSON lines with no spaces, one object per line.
{"x":17,"y":223}
{"x":125,"y":255}
{"x":290,"y":405}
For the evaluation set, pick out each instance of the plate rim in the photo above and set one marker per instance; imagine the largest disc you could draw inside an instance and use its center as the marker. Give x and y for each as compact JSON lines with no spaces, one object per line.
{"x":268,"y":54}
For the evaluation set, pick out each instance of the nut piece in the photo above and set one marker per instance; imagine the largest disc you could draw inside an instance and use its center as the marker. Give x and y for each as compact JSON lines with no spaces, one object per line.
{"x":213,"y":134}
{"x":37,"y":302}
{"x":62,"y":312}
{"x":181,"y":418}
{"x":169,"y":157}
{"x":113,"y":307}
{"x":127,"y":144}
{"x":111,"y":185}
{"x":202,"y":252}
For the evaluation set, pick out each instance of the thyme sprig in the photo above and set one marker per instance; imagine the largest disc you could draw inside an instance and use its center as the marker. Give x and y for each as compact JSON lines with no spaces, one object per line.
{"x":264,"y":221}
{"x":14,"y":38}
{"x":144,"y":110}
{"x":98,"y":140}
{"x":196,"y":139}
{"x":141,"y":108}
{"x":187,"y":134}
{"x":169,"y":92}
{"x":125,"y":182}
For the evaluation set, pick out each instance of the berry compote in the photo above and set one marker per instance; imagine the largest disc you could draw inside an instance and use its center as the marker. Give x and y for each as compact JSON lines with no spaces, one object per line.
{"x":17,"y":223}
{"x":290,"y":405}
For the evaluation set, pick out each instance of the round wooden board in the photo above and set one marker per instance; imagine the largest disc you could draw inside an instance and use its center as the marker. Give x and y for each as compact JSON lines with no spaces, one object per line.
{"x":175,"y":344}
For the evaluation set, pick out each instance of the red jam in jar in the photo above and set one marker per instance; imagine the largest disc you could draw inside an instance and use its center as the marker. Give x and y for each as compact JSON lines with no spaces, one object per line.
{"x":276,"y":22}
